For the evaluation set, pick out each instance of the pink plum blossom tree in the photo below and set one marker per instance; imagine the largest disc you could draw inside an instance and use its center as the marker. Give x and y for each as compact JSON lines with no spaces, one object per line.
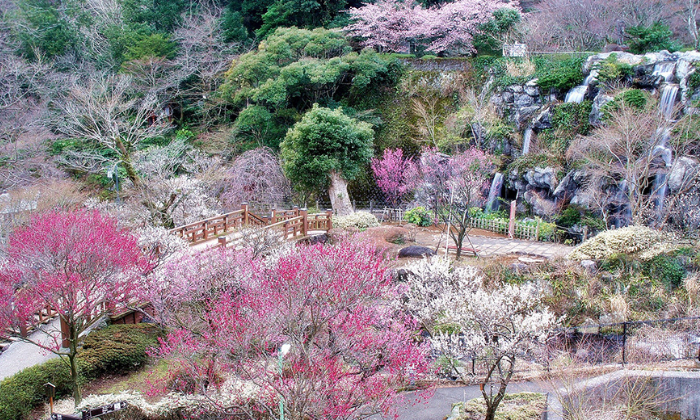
{"x":232,"y":314}
{"x":453,"y":185}
{"x":79,"y":264}
{"x":391,"y":174}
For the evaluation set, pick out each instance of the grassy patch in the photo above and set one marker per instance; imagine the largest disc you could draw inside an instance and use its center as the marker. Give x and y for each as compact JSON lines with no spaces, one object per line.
{"x":521,"y":406}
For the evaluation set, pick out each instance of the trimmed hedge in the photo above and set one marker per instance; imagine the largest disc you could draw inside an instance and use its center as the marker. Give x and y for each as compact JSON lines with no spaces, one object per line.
{"x":117,"y":348}
{"x":21,"y":392}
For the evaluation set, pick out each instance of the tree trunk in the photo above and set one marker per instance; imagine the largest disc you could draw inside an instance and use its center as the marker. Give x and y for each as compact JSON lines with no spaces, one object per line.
{"x":126,"y":161}
{"x":340,"y":200}
{"x":72,"y":353}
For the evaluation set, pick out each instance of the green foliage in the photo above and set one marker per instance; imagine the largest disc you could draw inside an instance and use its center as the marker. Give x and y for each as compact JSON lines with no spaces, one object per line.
{"x":25,"y":390}
{"x":488,"y":39}
{"x":667,"y":269}
{"x":693,"y":80}
{"x":610,"y":69}
{"x":117,"y":348}
{"x":232,"y":27}
{"x":634,"y":98}
{"x":157,"y":15}
{"x":43,"y":29}
{"x":298,"y":67}
{"x":559,"y":73}
{"x":300,"y":13}
{"x":323,"y":141}
{"x":419,"y":216}
{"x":569,"y":217}
{"x":651,"y":38}
{"x":147,"y":46}
{"x":572,"y":118}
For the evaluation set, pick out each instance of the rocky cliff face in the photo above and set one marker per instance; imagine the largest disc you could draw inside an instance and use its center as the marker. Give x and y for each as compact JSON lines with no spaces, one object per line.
{"x":666,"y":75}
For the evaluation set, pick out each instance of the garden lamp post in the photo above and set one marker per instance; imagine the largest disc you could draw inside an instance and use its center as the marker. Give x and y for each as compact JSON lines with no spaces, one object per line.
{"x":284,"y":349}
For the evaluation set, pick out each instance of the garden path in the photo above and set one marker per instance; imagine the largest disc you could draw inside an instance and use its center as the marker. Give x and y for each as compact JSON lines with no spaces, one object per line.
{"x":20,"y":354}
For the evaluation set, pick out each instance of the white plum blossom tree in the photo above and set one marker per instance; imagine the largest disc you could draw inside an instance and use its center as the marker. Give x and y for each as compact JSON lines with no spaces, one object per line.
{"x":469,"y":319}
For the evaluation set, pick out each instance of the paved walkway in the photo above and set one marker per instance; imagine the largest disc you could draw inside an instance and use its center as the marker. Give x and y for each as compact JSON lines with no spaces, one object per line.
{"x":503,"y":246}
{"x":20,"y":354}
{"x":439,"y":405}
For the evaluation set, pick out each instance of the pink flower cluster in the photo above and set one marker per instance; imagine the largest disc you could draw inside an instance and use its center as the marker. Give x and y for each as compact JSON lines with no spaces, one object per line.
{"x":393,"y":24}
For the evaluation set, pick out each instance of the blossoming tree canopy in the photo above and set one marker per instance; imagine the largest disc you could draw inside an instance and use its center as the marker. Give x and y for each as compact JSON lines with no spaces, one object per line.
{"x":393,"y":24}
{"x":347,"y":351}
{"x":77,"y":263}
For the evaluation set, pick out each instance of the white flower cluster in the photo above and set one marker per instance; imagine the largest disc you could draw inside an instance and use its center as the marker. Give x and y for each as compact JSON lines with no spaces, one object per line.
{"x":642,"y":242}
{"x":472,"y":320}
{"x":361,"y":220}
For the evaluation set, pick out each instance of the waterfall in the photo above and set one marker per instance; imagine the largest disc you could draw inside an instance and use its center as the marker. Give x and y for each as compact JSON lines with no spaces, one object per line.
{"x":494,"y":193}
{"x":660,"y":186}
{"x":669,"y":93}
{"x":665,"y":69}
{"x":624,"y":212}
{"x":527,"y":138}
{"x":576,"y":94}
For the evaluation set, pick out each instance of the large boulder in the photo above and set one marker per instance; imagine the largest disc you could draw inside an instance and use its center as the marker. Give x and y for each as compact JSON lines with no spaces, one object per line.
{"x":415,"y":251}
{"x":545,"y":178}
{"x":683,"y":170}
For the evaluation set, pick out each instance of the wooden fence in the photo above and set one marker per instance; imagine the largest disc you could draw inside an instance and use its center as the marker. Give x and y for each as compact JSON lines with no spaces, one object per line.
{"x":294,"y":223}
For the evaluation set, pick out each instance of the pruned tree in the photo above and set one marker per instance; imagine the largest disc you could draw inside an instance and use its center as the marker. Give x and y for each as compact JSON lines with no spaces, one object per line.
{"x":104,"y":113}
{"x":491,"y":324}
{"x":310,"y":329}
{"x":256,"y":177}
{"x":77,"y":263}
{"x":327,"y":149}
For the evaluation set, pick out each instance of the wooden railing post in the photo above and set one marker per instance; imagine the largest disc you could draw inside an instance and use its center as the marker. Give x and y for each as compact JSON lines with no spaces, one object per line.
{"x":296,"y":211}
{"x":511,"y":224}
{"x":244,"y":207}
{"x":329,"y":218}
{"x":304,"y":222}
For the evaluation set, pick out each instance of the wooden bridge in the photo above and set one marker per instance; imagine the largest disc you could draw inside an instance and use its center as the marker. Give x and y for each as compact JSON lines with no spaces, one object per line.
{"x":293,"y":224}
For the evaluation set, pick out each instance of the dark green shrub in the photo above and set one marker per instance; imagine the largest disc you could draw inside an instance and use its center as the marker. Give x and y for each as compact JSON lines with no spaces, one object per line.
{"x":651,"y":38}
{"x":419,"y":216}
{"x":667,"y":269}
{"x":634,"y":98}
{"x":560,"y":74}
{"x":117,"y":348}
{"x":572,"y":118}
{"x":610,"y":69}
{"x":21,"y":392}
{"x":569,"y":217}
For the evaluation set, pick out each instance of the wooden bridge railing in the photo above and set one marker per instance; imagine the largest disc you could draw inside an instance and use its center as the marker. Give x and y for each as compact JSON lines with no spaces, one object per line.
{"x":293,"y":223}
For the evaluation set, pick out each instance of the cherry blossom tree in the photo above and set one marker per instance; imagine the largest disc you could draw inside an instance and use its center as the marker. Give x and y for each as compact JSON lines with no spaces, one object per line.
{"x":79,"y":264}
{"x":493,"y":325}
{"x":391,"y":174}
{"x":393,"y":24}
{"x":232,"y":314}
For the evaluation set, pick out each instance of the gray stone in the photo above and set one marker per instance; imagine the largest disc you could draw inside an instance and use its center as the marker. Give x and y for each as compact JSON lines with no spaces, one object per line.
{"x":589,"y":265}
{"x":415,"y":251}
{"x":532,"y":90}
{"x":522,"y":115}
{"x":570,"y":184}
{"x":514,"y":89}
{"x":507,"y":97}
{"x":542,"y":178}
{"x":683,"y":169}
{"x":519,"y":267}
{"x":598,"y":103}
{"x":541,"y":206}
{"x":523,"y":100}
{"x":543,"y":121}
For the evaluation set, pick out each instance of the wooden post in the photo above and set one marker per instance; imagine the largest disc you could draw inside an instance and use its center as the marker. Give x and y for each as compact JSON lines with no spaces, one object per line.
{"x":585,"y":233}
{"x":304,"y":222}
{"x":511,"y":224}
{"x":537,"y":231}
{"x":244,"y":207}
{"x":329,"y":217}
{"x":296,"y":211}
{"x":222,"y":241}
